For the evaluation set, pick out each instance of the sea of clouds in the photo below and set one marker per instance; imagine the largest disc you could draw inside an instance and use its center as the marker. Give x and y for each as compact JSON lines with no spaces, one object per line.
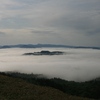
{"x":75,"y":64}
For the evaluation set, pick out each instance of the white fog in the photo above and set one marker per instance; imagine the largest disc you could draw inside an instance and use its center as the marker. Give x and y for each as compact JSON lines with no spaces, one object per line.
{"x":76,"y":64}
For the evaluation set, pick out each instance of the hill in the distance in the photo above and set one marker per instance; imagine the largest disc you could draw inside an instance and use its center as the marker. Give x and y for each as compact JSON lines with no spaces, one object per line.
{"x":45,"y":53}
{"x":45,"y":46}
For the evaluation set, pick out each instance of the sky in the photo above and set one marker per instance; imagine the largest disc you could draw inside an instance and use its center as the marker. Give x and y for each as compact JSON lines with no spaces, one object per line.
{"x":67,"y":22}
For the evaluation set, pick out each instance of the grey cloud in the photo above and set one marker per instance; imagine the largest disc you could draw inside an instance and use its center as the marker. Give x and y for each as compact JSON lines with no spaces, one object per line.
{"x":85,"y":5}
{"x":69,"y":20}
{"x":30,"y":2}
{"x":15,"y":23}
{"x":41,"y":32}
{"x":82,"y":16}
{"x":94,"y":32}
{"x":2,"y":33}
{"x":24,"y":4}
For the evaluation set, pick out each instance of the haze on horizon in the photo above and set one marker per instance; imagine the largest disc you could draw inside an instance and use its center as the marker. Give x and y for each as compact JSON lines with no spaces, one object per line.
{"x":67,"y":22}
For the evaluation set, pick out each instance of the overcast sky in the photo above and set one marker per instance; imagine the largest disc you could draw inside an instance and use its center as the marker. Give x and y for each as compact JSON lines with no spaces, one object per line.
{"x":68,"y":22}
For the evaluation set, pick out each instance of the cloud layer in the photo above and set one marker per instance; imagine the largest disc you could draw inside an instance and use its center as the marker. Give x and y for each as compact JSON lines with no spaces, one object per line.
{"x":71,"y":22}
{"x":77,"y":64}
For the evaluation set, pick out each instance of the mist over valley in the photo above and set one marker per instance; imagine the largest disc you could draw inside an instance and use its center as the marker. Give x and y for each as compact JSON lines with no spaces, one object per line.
{"x":75,"y":65}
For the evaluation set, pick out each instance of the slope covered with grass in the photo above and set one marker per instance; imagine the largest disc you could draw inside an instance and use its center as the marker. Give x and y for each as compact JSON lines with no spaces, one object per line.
{"x":18,"y":89}
{"x":89,"y":89}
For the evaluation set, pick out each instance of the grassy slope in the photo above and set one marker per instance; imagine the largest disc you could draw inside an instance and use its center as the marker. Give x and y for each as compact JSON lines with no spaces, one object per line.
{"x":18,"y":89}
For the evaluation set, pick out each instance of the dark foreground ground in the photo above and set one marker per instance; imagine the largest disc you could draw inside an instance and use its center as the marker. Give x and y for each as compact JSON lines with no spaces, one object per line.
{"x":16,"y":86}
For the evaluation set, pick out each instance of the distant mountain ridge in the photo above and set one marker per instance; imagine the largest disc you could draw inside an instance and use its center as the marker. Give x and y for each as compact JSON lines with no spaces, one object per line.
{"x":45,"y":45}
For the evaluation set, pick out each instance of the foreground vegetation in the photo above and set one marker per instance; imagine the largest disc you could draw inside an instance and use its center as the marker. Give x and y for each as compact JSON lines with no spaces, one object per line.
{"x":13,"y":87}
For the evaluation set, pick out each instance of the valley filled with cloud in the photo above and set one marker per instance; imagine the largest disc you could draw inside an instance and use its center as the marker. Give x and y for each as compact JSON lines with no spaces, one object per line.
{"x":74,"y":64}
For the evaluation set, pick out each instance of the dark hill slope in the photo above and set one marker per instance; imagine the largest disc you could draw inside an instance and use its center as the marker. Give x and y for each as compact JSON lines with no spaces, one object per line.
{"x":18,"y":89}
{"x":89,"y":89}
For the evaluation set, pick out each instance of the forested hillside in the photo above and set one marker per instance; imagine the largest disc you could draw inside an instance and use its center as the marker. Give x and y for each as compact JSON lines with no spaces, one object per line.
{"x":90,"y":89}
